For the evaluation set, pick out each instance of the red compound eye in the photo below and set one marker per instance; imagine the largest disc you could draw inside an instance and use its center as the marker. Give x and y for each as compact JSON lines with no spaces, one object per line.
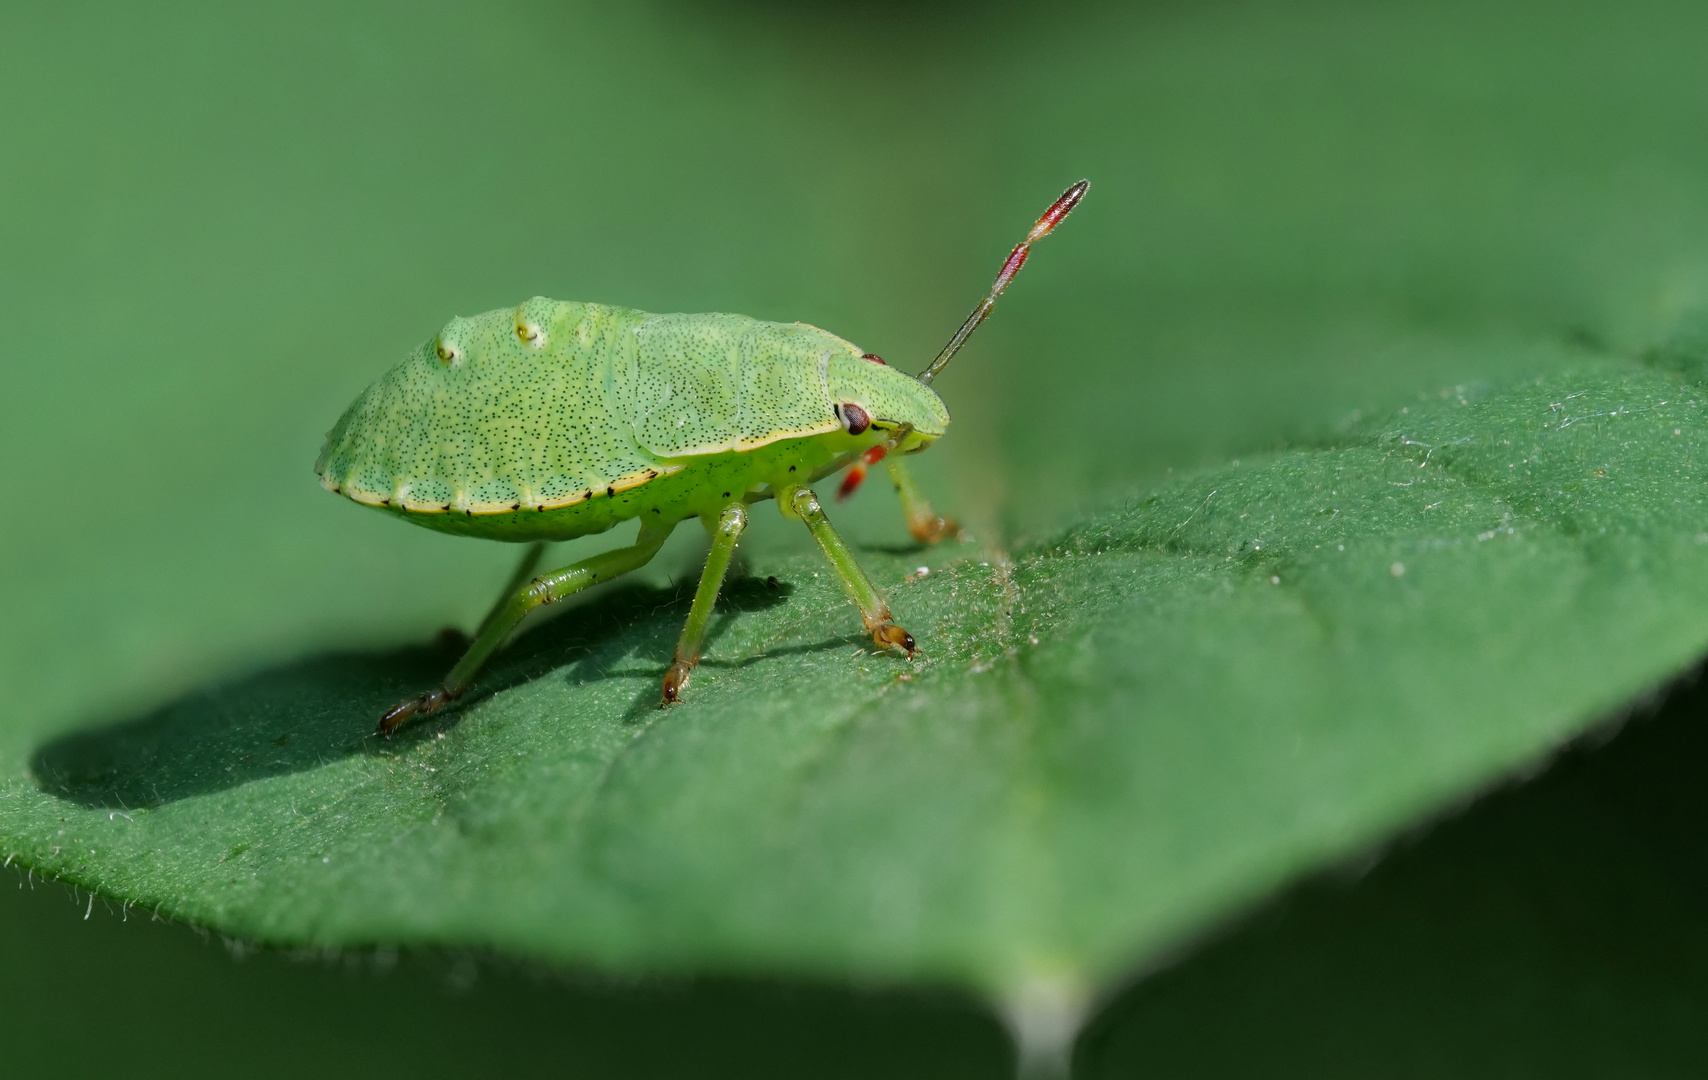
{"x":873,"y":357}
{"x":854,"y":419}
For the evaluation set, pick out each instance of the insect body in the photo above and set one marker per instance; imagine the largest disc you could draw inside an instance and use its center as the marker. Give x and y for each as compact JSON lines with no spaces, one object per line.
{"x":559,"y":419}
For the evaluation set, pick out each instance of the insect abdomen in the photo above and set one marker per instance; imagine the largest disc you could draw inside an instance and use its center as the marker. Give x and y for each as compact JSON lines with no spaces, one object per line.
{"x":520,"y":408}
{"x":538,"y":421}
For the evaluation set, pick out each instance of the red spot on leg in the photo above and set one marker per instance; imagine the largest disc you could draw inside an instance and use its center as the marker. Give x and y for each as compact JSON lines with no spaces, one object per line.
{"x":851,"y":482}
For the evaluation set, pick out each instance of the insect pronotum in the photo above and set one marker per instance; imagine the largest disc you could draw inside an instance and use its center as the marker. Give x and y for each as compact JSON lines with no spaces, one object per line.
{"x":559,"y":419}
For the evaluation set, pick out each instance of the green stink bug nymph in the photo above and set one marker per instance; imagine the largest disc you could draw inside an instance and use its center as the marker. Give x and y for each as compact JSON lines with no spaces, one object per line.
{"x":560,"y":419}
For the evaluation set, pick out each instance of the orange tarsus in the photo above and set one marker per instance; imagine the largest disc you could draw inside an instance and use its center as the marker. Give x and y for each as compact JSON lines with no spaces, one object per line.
{"x":888,"y":634}
{"x":928,"y":528}
{"x":430,"y":702}
{"x":675,"y":681}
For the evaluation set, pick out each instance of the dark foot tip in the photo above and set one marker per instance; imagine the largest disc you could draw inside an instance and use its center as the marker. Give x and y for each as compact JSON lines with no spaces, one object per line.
{"x":399,"y":714}
{"x":890,"y":634}
{"x":675,"y":681}
{"x":934,"y":530}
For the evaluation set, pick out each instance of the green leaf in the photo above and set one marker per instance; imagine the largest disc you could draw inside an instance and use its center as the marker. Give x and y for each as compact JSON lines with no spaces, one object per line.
{"x":1555,"y":928}
{"x":1118,"y":735}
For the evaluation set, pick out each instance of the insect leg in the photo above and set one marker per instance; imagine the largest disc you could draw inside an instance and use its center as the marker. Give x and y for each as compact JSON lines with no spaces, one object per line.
{"x":874,"y":612}
{"x":545,"y":589}
{"x":524,"y":570}
{"x":922,"y":521}
{"x":856,"y":474}
{"x":731,"y":524}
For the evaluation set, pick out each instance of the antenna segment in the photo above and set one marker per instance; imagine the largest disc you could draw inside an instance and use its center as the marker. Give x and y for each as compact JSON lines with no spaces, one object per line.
{"x":1016,"y":259}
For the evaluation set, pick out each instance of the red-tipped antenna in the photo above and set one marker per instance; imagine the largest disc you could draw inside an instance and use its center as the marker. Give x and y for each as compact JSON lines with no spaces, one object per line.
{"x":1016,"y":259}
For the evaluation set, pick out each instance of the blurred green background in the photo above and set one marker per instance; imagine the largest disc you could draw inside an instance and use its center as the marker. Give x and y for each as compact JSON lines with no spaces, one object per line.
{"x":219,"y":223}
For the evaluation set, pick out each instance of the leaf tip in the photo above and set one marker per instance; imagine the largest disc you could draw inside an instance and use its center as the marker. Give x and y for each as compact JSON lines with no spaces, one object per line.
{"x":1044,"y":1014}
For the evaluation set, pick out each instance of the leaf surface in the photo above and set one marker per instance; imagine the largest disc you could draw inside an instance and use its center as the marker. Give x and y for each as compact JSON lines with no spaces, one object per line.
{"x":1119,"y":733}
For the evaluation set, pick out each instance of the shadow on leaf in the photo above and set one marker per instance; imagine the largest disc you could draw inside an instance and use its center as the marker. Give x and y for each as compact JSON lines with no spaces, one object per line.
{"x":301,"y":715}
